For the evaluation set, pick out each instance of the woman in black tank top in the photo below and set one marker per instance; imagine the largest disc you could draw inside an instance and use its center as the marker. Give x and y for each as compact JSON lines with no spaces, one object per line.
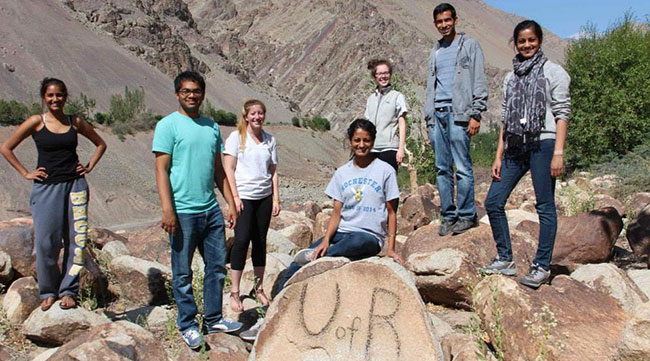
{"x":59,"y":196}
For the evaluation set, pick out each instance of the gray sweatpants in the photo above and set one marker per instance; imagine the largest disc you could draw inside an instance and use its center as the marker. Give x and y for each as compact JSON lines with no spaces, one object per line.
{"x":60,"y":214}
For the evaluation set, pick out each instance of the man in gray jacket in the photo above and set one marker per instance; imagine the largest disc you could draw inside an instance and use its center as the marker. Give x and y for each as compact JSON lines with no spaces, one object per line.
{"x":456,"y":95}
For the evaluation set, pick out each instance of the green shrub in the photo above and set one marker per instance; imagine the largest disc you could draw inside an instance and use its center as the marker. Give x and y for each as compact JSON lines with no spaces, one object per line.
{"x":482,"y":149}
{"x":610,"y":83}
{"x":82,"y":106}
{"x":220,"y":116}
{"x":295,"y":121}
{"x":12,"y":112}
{"x":317,"y":123}
{"x":632,"y":168}
{"x":128,"y":113}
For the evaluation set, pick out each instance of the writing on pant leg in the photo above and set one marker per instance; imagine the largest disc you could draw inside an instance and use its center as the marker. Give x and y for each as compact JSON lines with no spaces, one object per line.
{"x":380,"y":316}
{"x":79,"y":202}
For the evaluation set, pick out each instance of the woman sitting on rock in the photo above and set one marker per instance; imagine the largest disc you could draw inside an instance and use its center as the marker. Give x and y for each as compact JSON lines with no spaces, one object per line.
{"x":386,"y":109}
{"x":533,"y":129}
{"x":59,"y":197}
{"x":250,"y":162}
{"x":365,"y":196}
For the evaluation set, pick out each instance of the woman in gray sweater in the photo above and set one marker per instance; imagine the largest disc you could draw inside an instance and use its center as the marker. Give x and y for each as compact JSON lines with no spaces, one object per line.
{"x":533,"y":129}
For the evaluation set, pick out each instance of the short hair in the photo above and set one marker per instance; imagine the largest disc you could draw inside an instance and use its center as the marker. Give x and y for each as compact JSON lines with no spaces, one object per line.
{"x":527,"y":24}
{"x":374,"y":63}
{"x":442,"y":8}
{"x":188,"y":76}
{"x":47,"y":82}
{"x":364,"y":124}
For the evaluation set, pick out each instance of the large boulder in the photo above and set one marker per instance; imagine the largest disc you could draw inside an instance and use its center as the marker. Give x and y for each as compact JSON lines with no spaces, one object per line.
{"x":93,"y":280}
{"x":121,"y":340}
{"x":114,"y":249}
{"x":21,"y":299}
{"x":140,"y":281}
{"x":102,"y":236}
{"x":638,"y":233}
{"x":462,"y":347}
{"x":641,"y":278}
{"x":320,"y":224}
{"x":317,"y":267}
{"x":16,"y":240}
{"x":151,"y":243}
{"x":637,"y":202}
{"x":365,"y":310}
{"x":288,"y":218}
{"x":585,"y":238}
{"x":6,"y":270}
{"x":563,"y":321}
{"x":515,"y":216}
{"x":56,"y":326}
{"x":300,"y":234}
{"x":446,"y":268}
{"x":276,"y":242}
{"x":635,"y":342}
{"x":276,"y":264}
{"x":418,"y":210}
{"x":308,"y":209}
{"x":605,"y":200}
{"x":609,"y":279}
{"x":221,"y":347}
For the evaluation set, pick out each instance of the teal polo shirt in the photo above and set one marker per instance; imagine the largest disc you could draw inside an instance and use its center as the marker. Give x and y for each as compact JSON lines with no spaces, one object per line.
{"x":193,"y":145}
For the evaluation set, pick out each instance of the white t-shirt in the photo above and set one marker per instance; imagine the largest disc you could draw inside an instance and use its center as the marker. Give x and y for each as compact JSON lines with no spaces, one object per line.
{"x":364,"y":193}
{"x":252,"y":173}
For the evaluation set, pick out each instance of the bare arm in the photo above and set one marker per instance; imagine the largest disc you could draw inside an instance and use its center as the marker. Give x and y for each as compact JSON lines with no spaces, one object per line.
{"x":24,"y":130}
{"x":89,"y":132}
{"x":276,"y":189}
{"x":557,"y":163}
{"x":401,"y":124}
{"x":332,"y":226}
{"x":224,"y":187}
{"x":229,"y":166}
{"x":391,"y":206}
{"x":169,"y":221}
{"x":496,"y":165}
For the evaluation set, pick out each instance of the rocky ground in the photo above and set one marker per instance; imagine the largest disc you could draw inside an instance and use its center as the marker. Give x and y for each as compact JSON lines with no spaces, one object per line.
{"x":434,"y":307}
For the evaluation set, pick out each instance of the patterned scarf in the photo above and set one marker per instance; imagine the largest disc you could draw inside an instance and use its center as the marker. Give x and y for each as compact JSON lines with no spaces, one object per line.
{"x":525,"y":110}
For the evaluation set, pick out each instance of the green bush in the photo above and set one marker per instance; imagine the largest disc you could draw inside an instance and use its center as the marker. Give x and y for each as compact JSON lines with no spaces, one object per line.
{"x":295,"y":121}
{"x":82,"y":106}
{"x":220,"y":116}
{"x":610,"y":83}
{"x":482,"y":149}
{"x":632,"y":168}
{"x":317,"y":123}
{"x":128,"y":113}
{"x":12,"y":112}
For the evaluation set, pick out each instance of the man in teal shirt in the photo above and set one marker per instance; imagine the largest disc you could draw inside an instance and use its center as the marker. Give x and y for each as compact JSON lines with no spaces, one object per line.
{"x":188,"y":163}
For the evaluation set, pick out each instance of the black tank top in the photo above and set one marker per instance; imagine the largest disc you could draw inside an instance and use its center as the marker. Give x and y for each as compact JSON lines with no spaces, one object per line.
{"x":57,"y":153}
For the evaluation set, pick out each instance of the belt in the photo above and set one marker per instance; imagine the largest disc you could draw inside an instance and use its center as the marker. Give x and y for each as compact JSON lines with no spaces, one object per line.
{"x":445,"y":109}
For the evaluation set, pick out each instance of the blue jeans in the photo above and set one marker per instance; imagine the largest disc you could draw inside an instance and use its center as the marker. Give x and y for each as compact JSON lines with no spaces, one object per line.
{"x":539,"y":163}
{"x":450,"y":143}
{"x":205,"y":230}
{"x":353,"y":245}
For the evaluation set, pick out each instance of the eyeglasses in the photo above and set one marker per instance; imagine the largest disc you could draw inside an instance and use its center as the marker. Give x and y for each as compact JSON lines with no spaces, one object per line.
{"x":383,"y":73}
{"x":186,"y":92}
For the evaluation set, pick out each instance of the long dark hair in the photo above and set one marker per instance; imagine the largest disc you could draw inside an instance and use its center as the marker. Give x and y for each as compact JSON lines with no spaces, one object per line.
{"x":47,"y":82}
{"x":363,"y":124}
{"x":528,"y":24}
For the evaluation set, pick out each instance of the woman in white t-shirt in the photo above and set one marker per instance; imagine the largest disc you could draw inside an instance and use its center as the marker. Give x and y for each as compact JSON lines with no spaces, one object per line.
{"x":250,"y":162}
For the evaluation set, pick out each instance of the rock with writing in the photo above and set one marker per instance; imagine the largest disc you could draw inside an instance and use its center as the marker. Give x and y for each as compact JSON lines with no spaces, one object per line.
{"x":317,"y":267}
{"x":121,"y":340}
{"x":638,"y":234}
{"x":21,"y":299}
{"x":16,"y":240}
{"x":563,"y":321}
{"x":56,"y":326}
{"x":308,"y":209}
{"x":300,"y":234}
{"x":446,"y":268}
{"x":586,"y":238}
{"x":609,"y":279}
{"x":364,"y":310}
{"x":140,"y":281}
{"x":635,"y":342}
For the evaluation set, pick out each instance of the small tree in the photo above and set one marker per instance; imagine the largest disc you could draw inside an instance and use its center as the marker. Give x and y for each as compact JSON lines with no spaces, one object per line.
{"x":82,"y":106}
{"x":12,"y":112}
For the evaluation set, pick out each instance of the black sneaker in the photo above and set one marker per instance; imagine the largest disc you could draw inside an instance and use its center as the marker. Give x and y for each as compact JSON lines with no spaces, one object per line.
{"x":446,"y":227}
{"x":536,"y":277}
{"x":462,"y":225}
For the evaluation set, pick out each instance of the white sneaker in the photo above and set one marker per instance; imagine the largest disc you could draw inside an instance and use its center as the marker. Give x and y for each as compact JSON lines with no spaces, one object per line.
{"x":193,"y":338}
{"x":251,"y":333}
{"x":303,"y":256}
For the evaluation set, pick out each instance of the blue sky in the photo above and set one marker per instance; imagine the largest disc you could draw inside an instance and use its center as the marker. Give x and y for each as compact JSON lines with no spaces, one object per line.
{"x":566,"y":17}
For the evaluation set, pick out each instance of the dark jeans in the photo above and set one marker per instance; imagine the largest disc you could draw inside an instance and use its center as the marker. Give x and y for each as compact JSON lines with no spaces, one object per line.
{"x":450,"y":143}
{"x":206,"y":231}
{"x":353,"y":245}
{"x":539,"y":163}
{"x":252,"y":226}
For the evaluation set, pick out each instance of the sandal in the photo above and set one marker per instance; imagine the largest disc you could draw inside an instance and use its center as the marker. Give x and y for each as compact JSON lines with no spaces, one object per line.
{"x":261,"y":296}
{"x":65,"y":302}
{"x":47,"y":303}
{"x":235,"y":302}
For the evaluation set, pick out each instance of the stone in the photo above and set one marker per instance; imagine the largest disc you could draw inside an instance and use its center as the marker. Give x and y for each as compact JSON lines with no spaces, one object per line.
{"x":93,"y":282}
{"x":141,"y":282}
{"x":317,"y":267}
{"x":300,"y":234}
{"x":515,"y":216}
{"x":635,"y":341}
{"x":462,"y":347}
{"x":581,"y":239}
{"x":45,"y":355}
{"x":446,"y":268}
{"x":637,"y":202}
{"x":605,"y":200}
{"x":121,"y":340}
{"x":641,"y":278}
{"x":308,"y":209}
{"x":364,"y":310}
{"x":159,"y":316}
{"x":320,"y":224}
{"x":276,"y":263}
{"x":276,"y":242}
{"x":609,"y":279}
{"x":21,"y":299}
{"x":57,"y":327}
{"x":638,"y":234}
{"x":418,"y":210}
{"x":114,"y":249}
{"x":101,"y":236}
{"x":17,"y":241}
{"x":151,"y":244}
{"x":563,"y":321}
{"x":288,"y":218}
{"x":222,"y":346}
{"x":427,"y":190}
{"x":6,"y":270}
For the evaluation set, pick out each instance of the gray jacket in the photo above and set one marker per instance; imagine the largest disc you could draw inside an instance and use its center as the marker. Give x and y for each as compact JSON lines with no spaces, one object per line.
{"x":470,"y":91}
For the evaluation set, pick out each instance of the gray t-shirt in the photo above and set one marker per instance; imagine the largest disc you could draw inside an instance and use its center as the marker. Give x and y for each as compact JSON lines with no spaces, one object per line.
{"x":445,"y":71}
{"x":364,"y":193}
